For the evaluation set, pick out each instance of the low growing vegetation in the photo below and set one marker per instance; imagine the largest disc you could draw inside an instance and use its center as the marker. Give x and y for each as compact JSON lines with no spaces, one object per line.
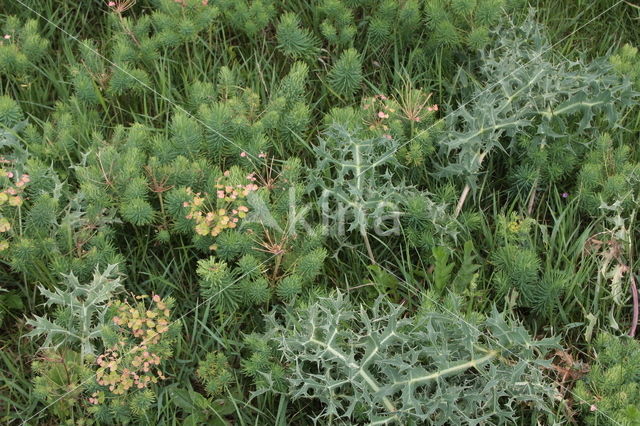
{"x":257,"y":212}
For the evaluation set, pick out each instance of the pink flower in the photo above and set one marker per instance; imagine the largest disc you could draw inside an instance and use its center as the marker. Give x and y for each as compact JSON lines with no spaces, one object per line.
{"x":435,"y":107}
{"x":387,"y":137}
{"x":220,"y":194}
{"x":7,"y":36}
{"x":185,"y":204}
{"x":111,"y":4}
{"x":9,"y":174}
{"x":381,"y":114}
{"x":243,"y":154}
{"x":262,"y":155}
{"x":156,"y":298}
{"x":593,"y":407}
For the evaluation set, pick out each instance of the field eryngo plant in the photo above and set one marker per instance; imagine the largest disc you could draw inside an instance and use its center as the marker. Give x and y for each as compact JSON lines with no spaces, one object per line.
{"x":334,"y":212}
{"x":384,"y":368}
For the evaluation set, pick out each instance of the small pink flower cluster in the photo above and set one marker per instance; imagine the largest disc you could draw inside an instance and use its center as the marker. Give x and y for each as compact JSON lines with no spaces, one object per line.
{"x":133,"y":361}
{"x":383,"y":108}
{"x":120,"y":379}
{"x":229,"y":207}
{"x":12,"y":193}
{"x":11,"y":196}
{"x":381,"y":111}
{"x":244,"y":154}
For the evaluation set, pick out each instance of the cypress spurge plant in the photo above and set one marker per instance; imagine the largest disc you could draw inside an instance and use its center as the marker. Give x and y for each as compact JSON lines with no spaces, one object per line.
{"x":294,"y":41}
{"x":21,"y":47}
{"x":138,"y":339}
{"x":608,"y":177}
{"x":345,"y":76}
{"x":61,"y":379}
{"x":338,"y":26}
{"x":273,"y":255}
{"x":248,"y":17}
{"x":215,"y":373}
{"x":519,"y":274}
{"x":458,"y":24}
{"x":610,"y":393}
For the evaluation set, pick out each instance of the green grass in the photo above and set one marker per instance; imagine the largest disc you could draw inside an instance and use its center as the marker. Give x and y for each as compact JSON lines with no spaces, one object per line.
{"x":66,"y":134}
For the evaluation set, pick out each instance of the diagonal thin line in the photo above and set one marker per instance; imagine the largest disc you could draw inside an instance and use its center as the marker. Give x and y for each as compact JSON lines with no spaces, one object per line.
{"x":233,"y":143}
{"x":489,"y":87}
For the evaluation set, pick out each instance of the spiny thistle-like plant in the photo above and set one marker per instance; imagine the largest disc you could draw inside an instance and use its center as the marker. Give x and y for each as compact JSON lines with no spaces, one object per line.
{"x":355,"y":180}
{"x":80,"y":316}
{"x":529,"y":93}
{"x":380,"y":366}
{"x":345,"y":76}
{"x":610,"y":393}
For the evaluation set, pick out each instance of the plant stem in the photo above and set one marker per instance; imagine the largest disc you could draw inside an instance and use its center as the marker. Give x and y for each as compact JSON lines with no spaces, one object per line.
{"x":467,"y":188}
{"x":634,"y":295}
{"x":365,"y":237}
